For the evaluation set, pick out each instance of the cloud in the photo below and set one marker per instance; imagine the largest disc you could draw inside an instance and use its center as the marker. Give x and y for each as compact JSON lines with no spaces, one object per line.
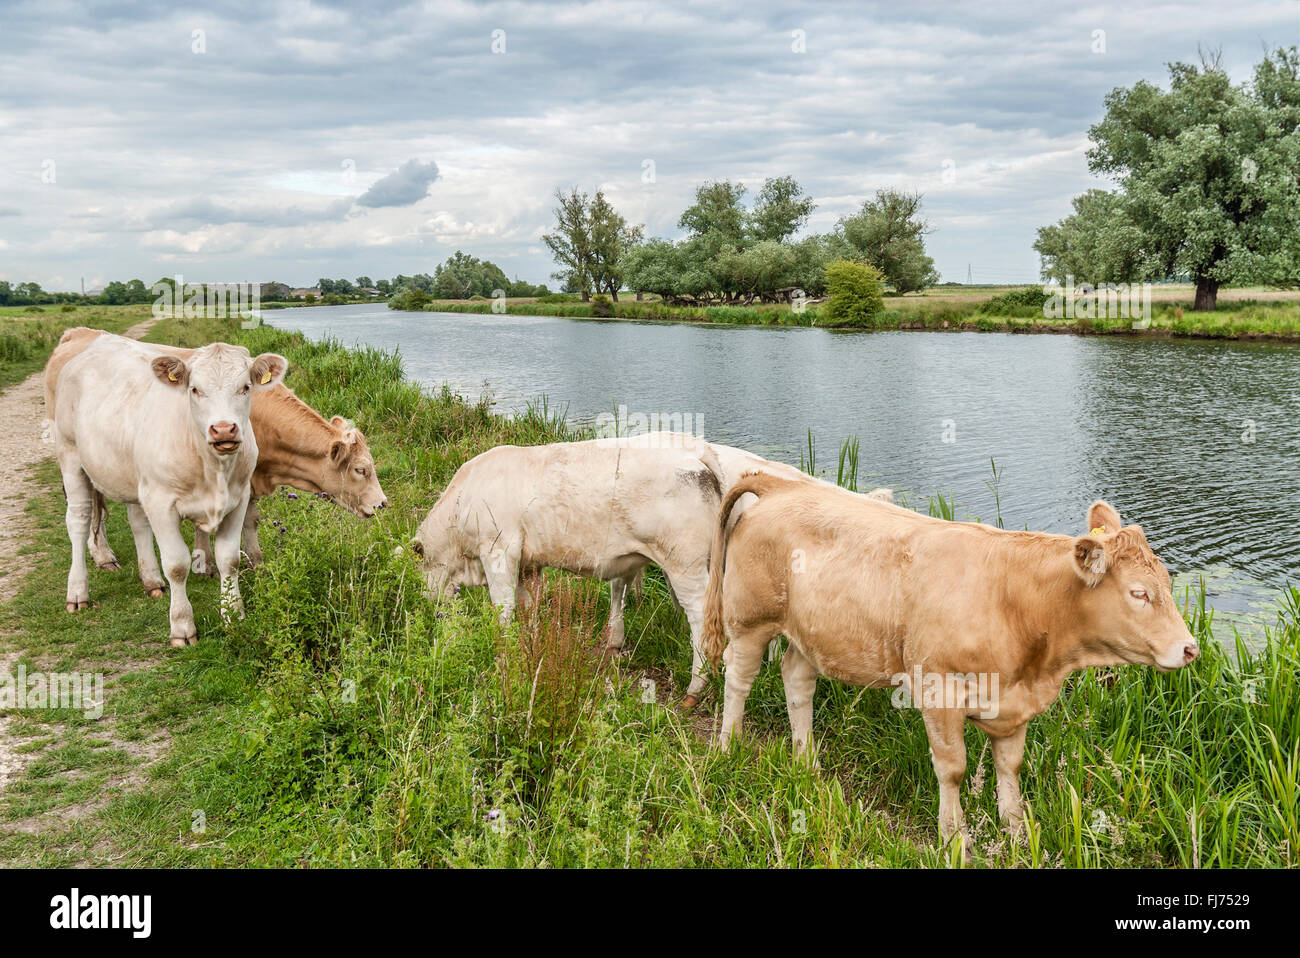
{"x":406,"y":186}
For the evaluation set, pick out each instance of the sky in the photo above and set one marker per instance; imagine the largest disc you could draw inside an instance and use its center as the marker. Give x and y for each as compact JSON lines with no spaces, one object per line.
{"x":260,"y":141}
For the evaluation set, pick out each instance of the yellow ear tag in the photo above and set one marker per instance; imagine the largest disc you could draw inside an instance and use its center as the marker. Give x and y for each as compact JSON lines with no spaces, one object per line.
{"x":266,"y":377}
{"x":171,"y":375}
{"x":1100,"y":530}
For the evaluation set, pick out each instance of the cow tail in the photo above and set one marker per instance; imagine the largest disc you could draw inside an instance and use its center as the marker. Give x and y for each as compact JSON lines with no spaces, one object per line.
{"x":714,"y":639}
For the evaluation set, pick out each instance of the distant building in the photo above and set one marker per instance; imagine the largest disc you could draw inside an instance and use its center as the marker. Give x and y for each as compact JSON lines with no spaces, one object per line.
{"x":304,"y":293}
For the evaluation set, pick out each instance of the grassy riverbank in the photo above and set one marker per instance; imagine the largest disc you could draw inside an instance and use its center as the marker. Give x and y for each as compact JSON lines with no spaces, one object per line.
{"x":1244,"y":314}
{"x":28,"y":334}
{"x":347,"y":721}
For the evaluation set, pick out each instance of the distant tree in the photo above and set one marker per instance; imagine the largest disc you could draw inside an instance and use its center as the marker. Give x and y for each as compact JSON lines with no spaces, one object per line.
{"x":364,"y":282}
{"x":571,"y":244}
{"x":780,"y":210}
{"x":1207,"y":178}
{"x":610,"y":239}
{"x":717,"y":213}
{"x":1097,"y":243}
{"x":889,"y":234}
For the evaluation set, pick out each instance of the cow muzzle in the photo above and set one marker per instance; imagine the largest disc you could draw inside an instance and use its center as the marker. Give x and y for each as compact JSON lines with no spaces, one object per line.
{"x":224,"y":437}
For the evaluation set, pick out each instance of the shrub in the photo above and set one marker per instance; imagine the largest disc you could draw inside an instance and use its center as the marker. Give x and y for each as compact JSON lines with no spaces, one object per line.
{"x":856,"y":293}
{"x":601,"y":306}
{"x":67,"y":308}
{"x":558,"y":298}
{"x":1026,"y":303}
{"x":410,"y":298}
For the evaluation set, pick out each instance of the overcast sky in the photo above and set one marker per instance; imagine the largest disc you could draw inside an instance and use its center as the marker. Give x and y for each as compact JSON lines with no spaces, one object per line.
{"x":258,"y":141}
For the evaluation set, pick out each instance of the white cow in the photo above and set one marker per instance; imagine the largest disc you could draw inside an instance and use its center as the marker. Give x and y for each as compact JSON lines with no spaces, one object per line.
{"x":169,"y":437}
{"x":597,"y":508}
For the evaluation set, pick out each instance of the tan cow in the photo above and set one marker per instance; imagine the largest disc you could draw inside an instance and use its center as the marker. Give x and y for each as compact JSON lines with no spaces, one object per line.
{"x":169,"y":437}
{"x":598,"y":508}
{"x":296,"y":447}
{"x":876,"y":595}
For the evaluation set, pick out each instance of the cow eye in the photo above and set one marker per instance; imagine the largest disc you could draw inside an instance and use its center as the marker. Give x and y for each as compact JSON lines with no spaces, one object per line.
{"x":1140,"y":594}
{"x":194,"y":390}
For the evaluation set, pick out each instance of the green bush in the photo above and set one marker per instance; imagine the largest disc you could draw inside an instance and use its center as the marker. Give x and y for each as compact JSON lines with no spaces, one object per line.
{"x":67,"y":308}
{"x":601,"y":307}
{"x":856,"y":293}
{"x":558,"y":298}
{"x":409,"y":298}
{"x":1025,"y":303}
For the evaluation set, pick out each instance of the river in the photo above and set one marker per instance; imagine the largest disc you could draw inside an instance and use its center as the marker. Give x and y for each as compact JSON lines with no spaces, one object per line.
{"x":1196,"y":441}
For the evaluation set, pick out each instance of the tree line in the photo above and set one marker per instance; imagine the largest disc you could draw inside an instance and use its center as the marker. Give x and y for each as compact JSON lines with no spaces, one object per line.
{"x":735,"y":252}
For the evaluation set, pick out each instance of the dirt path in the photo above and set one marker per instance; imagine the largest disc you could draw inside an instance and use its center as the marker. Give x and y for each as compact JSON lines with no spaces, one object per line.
{"x":22,"y":413}
{"x":22,"y":445}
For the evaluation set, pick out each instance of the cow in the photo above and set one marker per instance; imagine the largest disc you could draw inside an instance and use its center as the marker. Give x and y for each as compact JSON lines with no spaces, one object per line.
{"x":599,"y":508}
{"x":877,"y":595}
{"x":171,"y":438}
{"x":296,"y":447}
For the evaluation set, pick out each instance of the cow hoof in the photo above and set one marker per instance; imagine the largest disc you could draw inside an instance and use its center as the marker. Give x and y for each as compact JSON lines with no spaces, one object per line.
{"x":77,"y":606}
{"x":179,"y":642}
{"x":690,"y":701}
{"x":156,"y":593}
{"x":192,"y":640}
{"x":109,"y":565}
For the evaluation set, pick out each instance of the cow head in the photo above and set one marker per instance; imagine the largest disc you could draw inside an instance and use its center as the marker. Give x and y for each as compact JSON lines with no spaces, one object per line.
{"x":1128,"y":605}
{"x":218,"y":381}
{"x":445,"y":562}
{"x":353,"y":482}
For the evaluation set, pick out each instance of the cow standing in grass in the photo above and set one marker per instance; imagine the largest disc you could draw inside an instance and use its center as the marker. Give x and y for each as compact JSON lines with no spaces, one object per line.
{"x":170,"y":437}
{"x":873,"y":595}
{"x":296,"y":447}
{"x":600,"y":508}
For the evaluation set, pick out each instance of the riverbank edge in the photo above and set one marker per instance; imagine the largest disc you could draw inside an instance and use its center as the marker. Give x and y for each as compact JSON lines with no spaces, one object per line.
{"x":989,"y":324}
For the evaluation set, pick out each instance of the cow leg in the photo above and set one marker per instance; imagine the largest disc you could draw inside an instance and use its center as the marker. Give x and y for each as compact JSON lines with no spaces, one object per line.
{"x":800,"y":678}
{"x":100,"y":550}
{"x":80,"y":494}
{"x":743,"y":665}
{"x":1008,"y":754}
{"x":690,"y":593}
{"x":176,"y":566}
{"x":145,"y":560}
{"x":617,"y":599}
{"x":225,"y":546}
{"x":252,"y":548}
{"x":946,"y":728}
{"x":502,"y":572}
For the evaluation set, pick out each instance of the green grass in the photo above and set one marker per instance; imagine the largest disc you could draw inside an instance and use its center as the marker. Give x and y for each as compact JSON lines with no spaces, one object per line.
{"x":347,"y":721}
{"x":28,"y":334}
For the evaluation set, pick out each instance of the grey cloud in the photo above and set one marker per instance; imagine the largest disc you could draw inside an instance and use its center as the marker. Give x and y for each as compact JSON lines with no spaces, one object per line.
{"x":405,"y":186}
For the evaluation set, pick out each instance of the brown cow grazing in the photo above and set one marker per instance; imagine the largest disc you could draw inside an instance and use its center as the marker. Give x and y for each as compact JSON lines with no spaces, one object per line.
{"x":296,"y":447}
{"x":876,"y":595}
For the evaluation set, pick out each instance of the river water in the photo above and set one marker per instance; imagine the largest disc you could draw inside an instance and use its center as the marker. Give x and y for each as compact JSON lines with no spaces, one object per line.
{"x":1196,"y":441}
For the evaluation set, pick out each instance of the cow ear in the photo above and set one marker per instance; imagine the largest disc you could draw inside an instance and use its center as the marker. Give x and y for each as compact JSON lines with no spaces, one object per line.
{"x":340,"y":449}
{"x":1089,"y":559}
{"x":268,"y":370}
{"x":1102,"y":516}
{"x":338,"y":422}
{"x":171,"y":370}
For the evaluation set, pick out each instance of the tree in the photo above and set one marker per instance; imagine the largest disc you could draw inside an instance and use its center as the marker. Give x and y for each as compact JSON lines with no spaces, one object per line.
{"x":888,"y":233}
{"x":1207,"y":177}
{"x":570,"y":244}
{"x":780,"y":210}
{"x":611,"y":237}
{"x":717,"y":212}
{"x":1097,"y":243}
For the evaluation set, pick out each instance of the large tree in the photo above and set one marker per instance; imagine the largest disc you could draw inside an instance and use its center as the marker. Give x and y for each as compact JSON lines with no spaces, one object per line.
{"x":1096,"y":243}
{"x":888,"y":233}
{"x":570,"y":244}
{"x":1208,"y":175}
